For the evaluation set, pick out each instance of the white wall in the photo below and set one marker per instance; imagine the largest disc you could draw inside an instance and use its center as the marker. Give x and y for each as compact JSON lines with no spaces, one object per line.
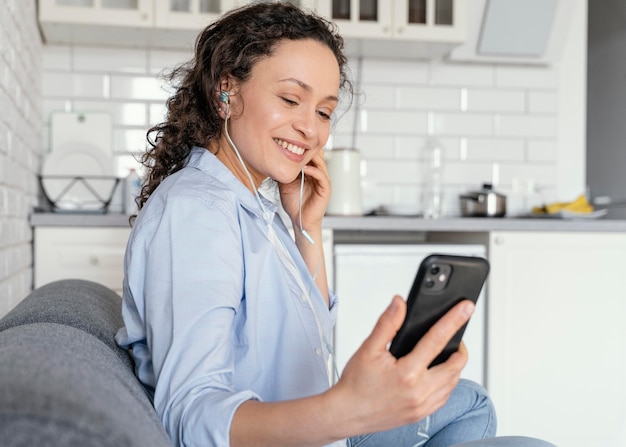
{"x":519,"y":126}
{"x":499,"y":123}
{"x":20,"y":144}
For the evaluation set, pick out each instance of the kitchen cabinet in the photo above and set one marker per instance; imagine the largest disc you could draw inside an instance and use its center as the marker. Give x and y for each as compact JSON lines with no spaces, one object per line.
{"x":437,"y":20}
{"x":189,"y":14}
{"x":137,"y":13}
{"x":197,"y":14}
{"x":91,"y":253}
{"x":367,"y":276}
{"x":416,"y":27}
{"x":556,"y":336}
{"x":406,"y":28}
{"x":136,"y":23}
{"x":97,"y":254}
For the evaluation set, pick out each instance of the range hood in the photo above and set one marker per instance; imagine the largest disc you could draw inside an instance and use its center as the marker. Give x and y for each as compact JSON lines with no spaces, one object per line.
{"x":515,"y":31}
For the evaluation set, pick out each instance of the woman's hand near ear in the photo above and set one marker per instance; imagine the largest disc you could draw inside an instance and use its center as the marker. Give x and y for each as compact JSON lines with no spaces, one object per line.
{"x":315,"y":197}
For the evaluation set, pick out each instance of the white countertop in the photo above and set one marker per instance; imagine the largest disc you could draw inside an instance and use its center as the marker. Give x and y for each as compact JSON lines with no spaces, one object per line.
{"x":376,"y":223}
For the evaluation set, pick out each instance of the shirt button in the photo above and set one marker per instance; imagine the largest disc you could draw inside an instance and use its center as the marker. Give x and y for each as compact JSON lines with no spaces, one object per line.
{"x":303,"y":297}
{"x":318,"y":352}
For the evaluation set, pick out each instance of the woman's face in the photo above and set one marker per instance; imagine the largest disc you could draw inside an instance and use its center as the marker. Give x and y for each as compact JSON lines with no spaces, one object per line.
{"x":281,"y":116}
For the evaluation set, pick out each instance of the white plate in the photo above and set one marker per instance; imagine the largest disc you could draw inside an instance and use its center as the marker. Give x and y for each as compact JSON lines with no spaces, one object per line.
{"x":572,"y":215}
{"x":68,"y":175}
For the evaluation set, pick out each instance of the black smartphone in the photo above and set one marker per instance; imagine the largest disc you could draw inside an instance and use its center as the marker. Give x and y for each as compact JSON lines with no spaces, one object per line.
{"x":441,"y":282}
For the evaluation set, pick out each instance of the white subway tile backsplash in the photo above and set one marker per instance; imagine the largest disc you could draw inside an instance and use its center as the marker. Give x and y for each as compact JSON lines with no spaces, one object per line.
{"x":161,"y":61}
{"x":461,"y":75}
{"x":525,"y":77}
{"x":375,"y":96}
{"x":138,"y":87}
{"x":129,"y":140}
{"x":396,"y":122}
{"x":373,"y":147}
{"x":483,"y":100}
{"x":110,"y":60}
{"x":462,"y":124}
{"x":425,"y":98}
{"x":542,"y":102}
{"x":495,"y":149}
{"x":62,"y":85}
{"x":50,"y":106}
{"x":541,"y":150}
{"x":470,"y":174}
{"x":391,"y":72}
{"x":526,"y":126}
{"x":489,"y":118}
{"x":157,"y":113}
{"x":409,"y":147}
{"x":393,"y":172}
{"x":122,"y":113}
{"x":57,"y":57}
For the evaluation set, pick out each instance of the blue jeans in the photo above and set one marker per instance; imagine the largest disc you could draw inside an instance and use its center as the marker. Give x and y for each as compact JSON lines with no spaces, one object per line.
{"x":468,"y":415}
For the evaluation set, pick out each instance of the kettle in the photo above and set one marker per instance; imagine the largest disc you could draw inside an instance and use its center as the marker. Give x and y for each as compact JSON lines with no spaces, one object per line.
{"x":344,"y":170}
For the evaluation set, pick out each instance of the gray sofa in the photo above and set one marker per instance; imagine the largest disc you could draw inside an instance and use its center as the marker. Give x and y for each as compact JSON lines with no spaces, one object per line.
{"x":63,"y":380}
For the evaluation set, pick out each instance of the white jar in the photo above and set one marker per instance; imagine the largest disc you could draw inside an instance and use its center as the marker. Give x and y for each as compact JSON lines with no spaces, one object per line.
{"x":344,"y":170}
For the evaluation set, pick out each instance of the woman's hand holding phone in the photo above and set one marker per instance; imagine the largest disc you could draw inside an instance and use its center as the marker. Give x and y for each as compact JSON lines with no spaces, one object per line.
{"x":392,"y":392}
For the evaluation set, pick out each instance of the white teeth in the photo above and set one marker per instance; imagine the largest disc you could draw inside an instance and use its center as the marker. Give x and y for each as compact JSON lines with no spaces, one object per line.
{"x":290,"y":147}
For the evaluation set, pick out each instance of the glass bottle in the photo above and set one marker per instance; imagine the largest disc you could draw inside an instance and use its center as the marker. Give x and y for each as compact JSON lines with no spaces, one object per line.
{"x":432,"y":176}
{"x":132,"y":189}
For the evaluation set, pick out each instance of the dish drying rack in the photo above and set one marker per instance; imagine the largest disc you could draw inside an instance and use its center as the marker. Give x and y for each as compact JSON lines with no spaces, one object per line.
{"x":96,"y":202}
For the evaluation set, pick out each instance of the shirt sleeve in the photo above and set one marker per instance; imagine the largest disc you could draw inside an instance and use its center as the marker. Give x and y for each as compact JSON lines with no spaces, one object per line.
{"x":187,"y":265}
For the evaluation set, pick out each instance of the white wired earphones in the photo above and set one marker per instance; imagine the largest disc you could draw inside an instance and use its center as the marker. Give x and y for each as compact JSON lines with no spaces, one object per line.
{"x":225,"y":98}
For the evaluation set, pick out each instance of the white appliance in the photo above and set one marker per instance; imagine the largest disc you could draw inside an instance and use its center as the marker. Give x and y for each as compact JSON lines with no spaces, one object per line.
{"x":368,"y":276}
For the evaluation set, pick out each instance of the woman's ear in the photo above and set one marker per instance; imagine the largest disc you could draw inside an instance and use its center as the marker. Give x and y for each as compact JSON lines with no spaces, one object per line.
{"x":224,"y":97}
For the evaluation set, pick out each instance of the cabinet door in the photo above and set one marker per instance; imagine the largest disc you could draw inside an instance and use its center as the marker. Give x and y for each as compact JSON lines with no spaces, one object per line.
{"x":368,"y":276}
{"x":557,"y":338}
{"x":430,"y":20}
{"x":191,"y":14}
{"x":137,"y":13}
{"x":95,"y":254}
{"x":359,"y":18}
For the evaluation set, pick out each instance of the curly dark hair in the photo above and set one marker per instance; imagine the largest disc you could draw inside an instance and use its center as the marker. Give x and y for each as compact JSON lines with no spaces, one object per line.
{"x":229,"y":47}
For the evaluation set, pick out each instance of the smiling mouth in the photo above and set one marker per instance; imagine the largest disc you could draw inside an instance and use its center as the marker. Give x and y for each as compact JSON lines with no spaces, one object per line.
{"x":290,"y":147}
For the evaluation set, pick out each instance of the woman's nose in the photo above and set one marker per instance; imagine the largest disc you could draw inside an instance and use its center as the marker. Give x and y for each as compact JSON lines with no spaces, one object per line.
{"x":305,"y":124}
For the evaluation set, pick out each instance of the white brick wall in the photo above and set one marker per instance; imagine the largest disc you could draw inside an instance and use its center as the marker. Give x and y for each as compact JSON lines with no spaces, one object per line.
{"x":20,"y":145}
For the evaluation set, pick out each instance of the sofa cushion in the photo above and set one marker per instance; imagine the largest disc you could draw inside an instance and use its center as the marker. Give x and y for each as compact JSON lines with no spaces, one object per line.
{"x":60,"y":386}
{"x":63,"y":379}
{"x":84,"y":305}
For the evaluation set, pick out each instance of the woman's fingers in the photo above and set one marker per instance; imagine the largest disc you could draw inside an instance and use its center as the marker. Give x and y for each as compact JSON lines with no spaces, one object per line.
{"x":438,"y":336}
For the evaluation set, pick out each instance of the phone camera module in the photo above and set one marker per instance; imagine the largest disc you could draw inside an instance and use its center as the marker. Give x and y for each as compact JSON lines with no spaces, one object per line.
{"x":429,"y":284}
{"x":434,"y":269}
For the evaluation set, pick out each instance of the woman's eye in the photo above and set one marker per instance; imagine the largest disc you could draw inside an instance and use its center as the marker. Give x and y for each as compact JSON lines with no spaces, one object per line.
{"x":324,"y":115}
{"x":289,"y":101}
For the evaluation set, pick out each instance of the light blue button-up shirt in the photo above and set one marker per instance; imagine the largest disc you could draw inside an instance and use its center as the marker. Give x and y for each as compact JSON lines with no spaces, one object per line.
{"x":212,"y":315}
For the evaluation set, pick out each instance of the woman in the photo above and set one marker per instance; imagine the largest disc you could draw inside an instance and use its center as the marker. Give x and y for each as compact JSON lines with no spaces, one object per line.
{"x":228,"y":316}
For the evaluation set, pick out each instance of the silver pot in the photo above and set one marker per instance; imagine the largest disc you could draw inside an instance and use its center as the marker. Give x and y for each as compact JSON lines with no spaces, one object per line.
{"x":483,"y":203}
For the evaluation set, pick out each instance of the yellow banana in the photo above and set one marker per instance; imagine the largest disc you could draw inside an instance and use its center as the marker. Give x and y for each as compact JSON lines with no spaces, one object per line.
{"x":580,"y":205}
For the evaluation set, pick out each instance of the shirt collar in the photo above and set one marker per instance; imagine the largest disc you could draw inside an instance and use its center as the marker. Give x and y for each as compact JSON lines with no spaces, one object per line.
{"x":200,"y":158}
